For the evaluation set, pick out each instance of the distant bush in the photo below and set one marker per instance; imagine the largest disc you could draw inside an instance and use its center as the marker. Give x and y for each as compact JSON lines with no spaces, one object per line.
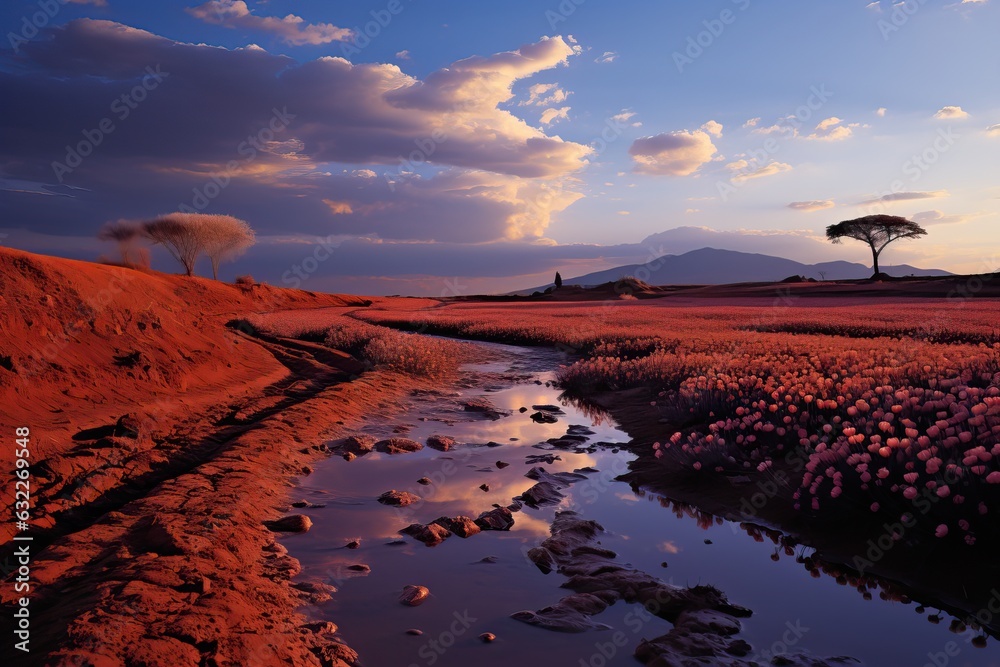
{"x":126,"y":235}
{"x":245,"y":283}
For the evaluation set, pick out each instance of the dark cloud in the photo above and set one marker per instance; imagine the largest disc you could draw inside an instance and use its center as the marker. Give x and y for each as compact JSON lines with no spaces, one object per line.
{"x":250,"y":133}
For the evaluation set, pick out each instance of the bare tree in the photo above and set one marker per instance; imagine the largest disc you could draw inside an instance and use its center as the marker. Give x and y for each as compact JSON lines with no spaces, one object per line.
{"x":125,"y":234}
{"x":225,"y":238}
{"x":179,"y":235}
{"x":877,"y":231}
{"x":187,"y":236}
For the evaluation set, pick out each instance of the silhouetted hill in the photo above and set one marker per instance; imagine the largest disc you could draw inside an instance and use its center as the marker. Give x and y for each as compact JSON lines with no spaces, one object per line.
{"x":710,"y":266}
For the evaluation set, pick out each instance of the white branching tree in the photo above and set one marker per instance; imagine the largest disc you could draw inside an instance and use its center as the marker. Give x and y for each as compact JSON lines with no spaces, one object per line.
{"x":187,"y":236}
{"x":225,"y":238}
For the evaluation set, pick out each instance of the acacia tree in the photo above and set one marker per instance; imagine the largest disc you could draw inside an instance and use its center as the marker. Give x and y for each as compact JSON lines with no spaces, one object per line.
{"x":225,"y":238}
{"x":179,"y":234}
{"x":187,"y":236}
{"x":877,"y":231}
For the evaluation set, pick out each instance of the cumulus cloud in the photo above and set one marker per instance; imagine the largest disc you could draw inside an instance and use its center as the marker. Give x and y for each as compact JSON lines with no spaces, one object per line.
{"x":831,"y":129}
{"x":811,"y":205}
{"x":993,"y":130}
{"x":476,"y":171}
{"x":403,"y":55}
{"x":291,"y":29}
{"x":951,"y":113}
{"x":880,"y":112}
{"x":713,"y":128}
{"x":906,"y":196}
{"x":673,"y":153}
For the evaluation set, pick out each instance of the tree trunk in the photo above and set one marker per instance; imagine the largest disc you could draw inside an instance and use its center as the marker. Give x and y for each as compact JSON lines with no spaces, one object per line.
{"x":875,"y":262}
{"x":215,"y":268}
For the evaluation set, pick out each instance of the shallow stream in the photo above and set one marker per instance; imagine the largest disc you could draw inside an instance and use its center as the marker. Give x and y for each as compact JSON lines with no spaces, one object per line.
{"x":793,"y":610}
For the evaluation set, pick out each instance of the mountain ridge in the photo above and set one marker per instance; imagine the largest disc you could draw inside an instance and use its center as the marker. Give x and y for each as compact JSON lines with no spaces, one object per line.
{"x":714,"y":266}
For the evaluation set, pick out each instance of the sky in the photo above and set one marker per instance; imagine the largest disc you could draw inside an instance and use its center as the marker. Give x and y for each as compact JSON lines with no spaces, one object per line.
{"x":446,"y":148}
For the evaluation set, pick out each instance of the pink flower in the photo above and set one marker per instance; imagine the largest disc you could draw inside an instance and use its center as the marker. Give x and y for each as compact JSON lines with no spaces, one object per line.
{"x":993,"y":477}
{"x":941,"y":531}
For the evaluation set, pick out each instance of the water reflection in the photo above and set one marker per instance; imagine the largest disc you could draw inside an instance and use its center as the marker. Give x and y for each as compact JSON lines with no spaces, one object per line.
{"x":968,"y":621}
{"x":770,"y":572}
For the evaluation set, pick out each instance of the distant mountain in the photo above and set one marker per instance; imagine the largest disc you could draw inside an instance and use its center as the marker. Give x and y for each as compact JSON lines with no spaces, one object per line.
{"x":710,"y":266}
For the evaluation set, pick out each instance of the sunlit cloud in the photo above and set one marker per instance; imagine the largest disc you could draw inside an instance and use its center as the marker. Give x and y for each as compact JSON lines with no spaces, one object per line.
{"x":831,"y":129}
{"x":291,"y":29}
{"x":545,"y":94}
{"x":672,"y":153}
{"x":713,"y":128}
{"x":935,"y":217}
{"x":607,"y":57}
{"x":811,"y":205}
{"x":747,"y":171}
{"x":625,"y":118}
{"x":906,"y":196}
{"x":552,"y":115}
{"x":951,"y":113}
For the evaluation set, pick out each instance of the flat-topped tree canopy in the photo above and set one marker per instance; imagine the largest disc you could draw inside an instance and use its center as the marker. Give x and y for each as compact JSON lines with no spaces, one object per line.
{"x":877,"y":231}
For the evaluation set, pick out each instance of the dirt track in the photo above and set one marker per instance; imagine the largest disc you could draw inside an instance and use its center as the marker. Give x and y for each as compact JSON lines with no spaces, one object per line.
{"x":149,"y":543}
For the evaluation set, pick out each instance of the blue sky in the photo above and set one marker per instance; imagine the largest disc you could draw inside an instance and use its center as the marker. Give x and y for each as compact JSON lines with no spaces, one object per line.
{"x":581,"y":130}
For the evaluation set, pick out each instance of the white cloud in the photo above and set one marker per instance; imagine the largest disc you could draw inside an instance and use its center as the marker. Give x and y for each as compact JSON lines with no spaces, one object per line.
{"x":403,"y":55}
{"x":672,"y":153}
{"x":713,"y":128}
{"x":625,"y":116}
{"x":747,"y":172}
{"x":291,"y":29}
{"x":880,"y":112}
{"x":607,"y":57}
{"x":831,"y":129}
{"x":951,"y":113}
{"x":552,"y":115}
{"x":811,"y":205}
{"x":906,"y":196}
{"x":993,"y":130}
{"x":752,"y":122}
{"x":545,"y":94}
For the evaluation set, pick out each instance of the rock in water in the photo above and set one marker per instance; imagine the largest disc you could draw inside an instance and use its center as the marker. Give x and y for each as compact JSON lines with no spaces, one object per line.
{"x":398,"y":446}
{"x":413,"y":596}
{"x":484,"y":407}
{"x":499,"y":518}
{"x":432,"y":534}
{"x":396,"y":498}
{"x":357,"y":445}
{"x":487,"y":637}
{"x":462,"y":526}
{"x":442,"y":443}
{"x":295,"y":523}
